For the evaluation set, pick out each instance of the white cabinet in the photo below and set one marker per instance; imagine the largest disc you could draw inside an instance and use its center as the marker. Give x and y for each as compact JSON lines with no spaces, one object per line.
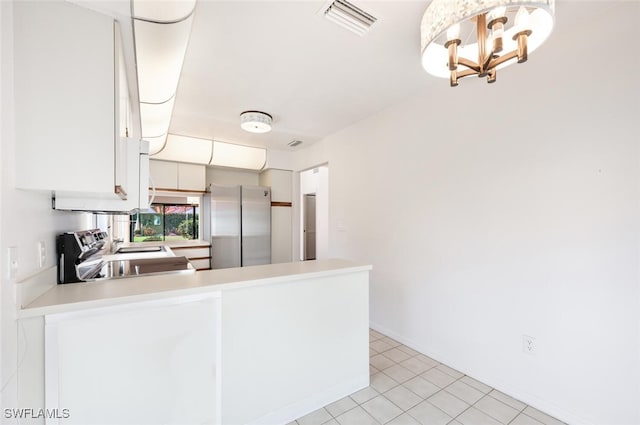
{"x":164,"y":175}
{"x":178,"y":176}
{"x":136,"y":158}
{"x":280,"y":182}
{"x":192,"y":177}
{"x":69,"y":92}
{"x":198,"y":255}
{"x":146,"y":363}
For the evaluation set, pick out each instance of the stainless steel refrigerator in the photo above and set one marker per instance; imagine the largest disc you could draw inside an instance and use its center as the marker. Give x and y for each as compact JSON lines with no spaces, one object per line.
{"x":240,"y":225}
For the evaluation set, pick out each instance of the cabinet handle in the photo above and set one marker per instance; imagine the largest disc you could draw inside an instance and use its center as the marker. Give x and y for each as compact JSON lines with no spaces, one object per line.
{"x":119,"y":190}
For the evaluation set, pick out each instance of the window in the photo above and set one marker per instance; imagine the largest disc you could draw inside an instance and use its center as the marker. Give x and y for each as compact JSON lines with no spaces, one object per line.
{"x":165,"y":222}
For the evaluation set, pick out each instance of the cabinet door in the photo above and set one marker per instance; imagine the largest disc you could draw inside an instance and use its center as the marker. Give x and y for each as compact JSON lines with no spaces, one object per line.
{"x":192,"y":177}
{"x":144,"y":363}
{"x":135,"y":172}
{"x":65,"y":82}
{"x":144,"y":179}
{"x":164,"y":175}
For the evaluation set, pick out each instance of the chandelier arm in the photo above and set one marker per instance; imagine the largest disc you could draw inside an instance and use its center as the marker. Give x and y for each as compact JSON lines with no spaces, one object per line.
{"x":522,"y":49}
{"x":502,"y":59}
{"x":469,"y":64}
{"x":491,"y":76}
{"x":486,"y":64}
{"x":456,"y":75}
{"x":481,"y":29}
{"x":466,"y":73}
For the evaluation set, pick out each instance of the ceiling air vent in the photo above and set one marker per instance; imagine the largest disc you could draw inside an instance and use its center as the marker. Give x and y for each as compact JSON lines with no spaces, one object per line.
{"x":294,"y":143}
{"x":349,"y":16}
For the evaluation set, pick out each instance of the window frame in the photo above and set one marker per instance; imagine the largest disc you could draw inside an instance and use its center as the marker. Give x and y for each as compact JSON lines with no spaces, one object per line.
{"x":194,"y":229}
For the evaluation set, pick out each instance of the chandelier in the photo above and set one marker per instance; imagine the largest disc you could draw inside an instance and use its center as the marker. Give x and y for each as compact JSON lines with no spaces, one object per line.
{"x":461,"y":38}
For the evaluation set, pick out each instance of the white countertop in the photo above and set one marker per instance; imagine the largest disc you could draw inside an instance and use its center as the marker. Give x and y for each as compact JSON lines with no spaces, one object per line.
{"x":86,"y":295}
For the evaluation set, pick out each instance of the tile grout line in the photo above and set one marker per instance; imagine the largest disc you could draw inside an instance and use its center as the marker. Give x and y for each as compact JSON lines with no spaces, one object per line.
{"x":503,"y":403}
{"x":449,"y":393}
{"x":444,"y":370}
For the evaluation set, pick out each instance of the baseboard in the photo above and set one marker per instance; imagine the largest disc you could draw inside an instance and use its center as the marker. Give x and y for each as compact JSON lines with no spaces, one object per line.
{"x":518,"y":393}
{"x":316,"y":401}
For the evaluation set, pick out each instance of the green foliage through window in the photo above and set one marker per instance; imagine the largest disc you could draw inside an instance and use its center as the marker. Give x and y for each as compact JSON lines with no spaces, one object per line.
{"x":165,"y":222}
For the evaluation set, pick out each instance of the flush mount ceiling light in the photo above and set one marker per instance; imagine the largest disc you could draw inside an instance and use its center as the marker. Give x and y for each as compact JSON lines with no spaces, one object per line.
{"x":461,"y":38}
{"x":255,"y":121}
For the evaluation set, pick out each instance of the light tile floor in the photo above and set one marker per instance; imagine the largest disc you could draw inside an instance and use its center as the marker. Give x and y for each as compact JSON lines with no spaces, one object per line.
{"x":409,"y":388}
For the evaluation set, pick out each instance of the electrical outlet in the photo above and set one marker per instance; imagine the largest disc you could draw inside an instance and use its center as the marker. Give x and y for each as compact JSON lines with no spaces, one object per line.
{"x":528,"y":344}
{"x":42,"y":254}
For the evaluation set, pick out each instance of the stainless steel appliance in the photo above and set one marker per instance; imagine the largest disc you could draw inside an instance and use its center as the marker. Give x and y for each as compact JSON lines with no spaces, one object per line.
{"x":74,"y":249}
{"x":82,"y":258}
{"x":240,"y":225}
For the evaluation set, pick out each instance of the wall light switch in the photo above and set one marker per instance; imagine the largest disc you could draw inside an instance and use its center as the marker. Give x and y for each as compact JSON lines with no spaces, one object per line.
{"x":42,"y":254}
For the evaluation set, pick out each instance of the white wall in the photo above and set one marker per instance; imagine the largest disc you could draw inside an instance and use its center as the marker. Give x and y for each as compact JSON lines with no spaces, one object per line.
{"x":493,"y":211}
{"x":2,"y":263}
{"x":316,"y":181}
{"x":26,"y":218}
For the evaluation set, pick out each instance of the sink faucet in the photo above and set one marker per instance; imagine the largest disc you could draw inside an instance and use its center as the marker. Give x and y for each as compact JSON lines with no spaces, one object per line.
{"x":114,"y":244}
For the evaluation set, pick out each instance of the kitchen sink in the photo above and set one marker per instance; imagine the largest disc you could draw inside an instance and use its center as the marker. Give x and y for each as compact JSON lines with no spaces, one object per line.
{"x":140,"y":249}
{"x":116,"y":269}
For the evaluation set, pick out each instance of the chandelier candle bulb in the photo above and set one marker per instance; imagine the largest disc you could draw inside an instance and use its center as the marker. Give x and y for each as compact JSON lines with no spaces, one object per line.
{"x":496,"y":24}
{"x":498,"y":12}
{"x":453,"y":40}
{"x":453,"y":33}
{"x":522,"y":19}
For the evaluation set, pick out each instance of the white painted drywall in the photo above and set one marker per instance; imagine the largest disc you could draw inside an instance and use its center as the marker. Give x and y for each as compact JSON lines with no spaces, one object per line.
{"x":493,"y":211}
{"x":2,"y":263}
{"x":26,"y":218}
{"x":316,"y":181}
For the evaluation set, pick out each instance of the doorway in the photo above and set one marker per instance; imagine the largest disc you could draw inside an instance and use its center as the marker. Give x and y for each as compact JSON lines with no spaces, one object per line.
{"x":312,"y":215}
{"x":309,"y":226}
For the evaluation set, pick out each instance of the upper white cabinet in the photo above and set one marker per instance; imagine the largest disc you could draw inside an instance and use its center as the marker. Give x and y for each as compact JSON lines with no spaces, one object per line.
{"x":137,"y":183}
{"x":164,"y":174}
{"x":167,"y":175}
{"x":192,"y":177}
{"x":70,"y":89}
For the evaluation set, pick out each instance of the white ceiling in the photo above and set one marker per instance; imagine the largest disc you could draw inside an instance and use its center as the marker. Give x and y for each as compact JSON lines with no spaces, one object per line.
{"x":312,"y":76}
{"x":285,"y":59}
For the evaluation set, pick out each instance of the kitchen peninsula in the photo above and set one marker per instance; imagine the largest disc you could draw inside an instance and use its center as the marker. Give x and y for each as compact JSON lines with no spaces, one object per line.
{"x":253,"y":345}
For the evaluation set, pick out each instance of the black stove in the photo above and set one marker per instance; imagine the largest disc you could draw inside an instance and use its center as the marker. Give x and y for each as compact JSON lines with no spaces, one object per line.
{"x":76,"y":248}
